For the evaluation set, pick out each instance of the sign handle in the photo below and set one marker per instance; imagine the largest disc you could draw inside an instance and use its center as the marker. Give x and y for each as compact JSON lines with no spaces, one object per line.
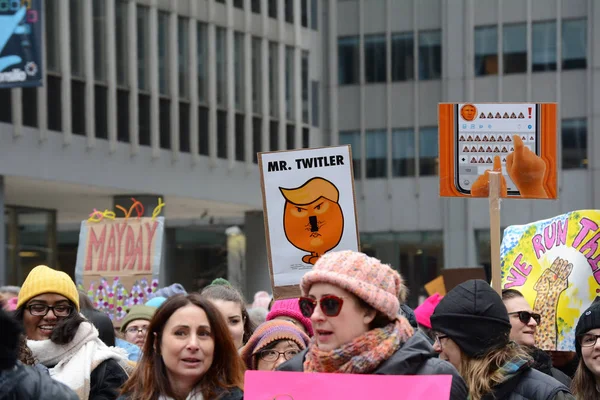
{"x":494,"y":197}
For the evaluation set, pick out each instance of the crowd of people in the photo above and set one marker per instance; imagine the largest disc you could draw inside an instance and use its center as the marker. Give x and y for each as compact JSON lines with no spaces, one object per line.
{"x":351,"y":318}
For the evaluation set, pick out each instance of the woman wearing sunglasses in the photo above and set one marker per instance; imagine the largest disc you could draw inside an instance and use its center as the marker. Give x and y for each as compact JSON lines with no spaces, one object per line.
{"x":474,"y":329}
{"x":524,"y":323}
{"x":586,"y":383}
{"x":352,"y":301}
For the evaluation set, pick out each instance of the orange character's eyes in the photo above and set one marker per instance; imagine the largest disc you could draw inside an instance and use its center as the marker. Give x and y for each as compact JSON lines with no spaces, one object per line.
{"x":298,"y":212}
{"x":321,"y":207}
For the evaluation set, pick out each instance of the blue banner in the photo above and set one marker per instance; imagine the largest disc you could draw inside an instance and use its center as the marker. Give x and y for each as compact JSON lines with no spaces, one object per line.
{"x":20,"y":43}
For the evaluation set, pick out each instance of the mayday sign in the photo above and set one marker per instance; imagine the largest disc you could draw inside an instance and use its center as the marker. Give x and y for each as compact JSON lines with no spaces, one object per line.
{"x":20,"y":43}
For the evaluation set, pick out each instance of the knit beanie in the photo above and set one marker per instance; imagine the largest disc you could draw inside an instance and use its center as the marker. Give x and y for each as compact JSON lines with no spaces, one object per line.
{"x":43,"y":279}
{"x":169,"y":291}
{"x":424,"y":311}
{"x":590,"y":319}
{"x":138,"y":312}
{"x":156,"y":301}
{"x":290,"y":308}
{"x":474,"y":316}
{"x":366,"y":277}
{"x":267,"y":333}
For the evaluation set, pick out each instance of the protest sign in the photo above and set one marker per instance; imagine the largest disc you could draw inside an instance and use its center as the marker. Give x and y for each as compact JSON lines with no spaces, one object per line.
{"x":118,"y":262}
{"x":309,"y":210}
{"x":554,"y":263}
{"x":270,"y":385}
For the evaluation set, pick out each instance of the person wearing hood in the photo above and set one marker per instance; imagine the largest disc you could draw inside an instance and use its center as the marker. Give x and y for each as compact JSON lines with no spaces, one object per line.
{"x":473,"y":334}
{"x":352,"y":301}
{"x":524,"y":323}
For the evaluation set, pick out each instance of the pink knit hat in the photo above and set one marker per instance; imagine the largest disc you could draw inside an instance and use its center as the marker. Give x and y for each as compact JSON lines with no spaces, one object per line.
{"x":424,"y":311}
{"x":290,"y":308}
{"x":366,"y":277}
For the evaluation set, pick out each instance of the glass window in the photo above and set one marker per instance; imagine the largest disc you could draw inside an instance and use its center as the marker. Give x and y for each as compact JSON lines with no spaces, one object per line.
{"x":305,"y":105}
{"x":256,"y":74}
{"x":143,"y":16}
{"x":255,"y":6}
{"x":403,"y":152}
{"x":574,"y":143}
{"x":184,"y":127}
{"x":202,"y":50}
{"x":514,"y":47}
{"x":144,"y":119}
{"x":403,"y":45}
{"x":314,"y":14}
{"x":165,"y":123}
{"x":353,"y":139}
{"x":544,"y":46}
{"x":100,"y":111}
{"x":238,"y":4}
{"x":5,"y":106}
{"x":123,"y":115}
{"x":273,"y":77}
{"x":304,"y":9}
{"x":238,"y":69}
{"x":289,"y":11}
{"x":315,"y":103}
{"x":430,"y":55}
{"x":121,"y":41}
{"x":221,"y":49}
{"x":290,"y":136}
{"x":53,"y":100}
{"x":289,"y":82}
{"x":52,"y":22}
{"x":182,"y":53}
{"x":163,"y":52}
{"x":305,"y":138}
{"x":274,"y":135}
{"x":272,"y":8}
{"x":428,"y":151}
{"x":78,"y":101}
{"x":375,"y":61}
{"x":75,"y":19}
{"x":486,"y":50}
{"x":99,"y":29}
{"x":222,"y":134}
{"x":240,"y":138}
{"x":348,"y":60}
{"x":203,"y":137}
{"x":376,"y":150}
{"x":574,"y":44}
{"x":29,"y":105}
{"x":256,"y":138}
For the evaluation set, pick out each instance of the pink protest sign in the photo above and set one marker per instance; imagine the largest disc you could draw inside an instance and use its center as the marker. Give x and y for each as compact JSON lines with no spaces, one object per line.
{"x":269,"y":385}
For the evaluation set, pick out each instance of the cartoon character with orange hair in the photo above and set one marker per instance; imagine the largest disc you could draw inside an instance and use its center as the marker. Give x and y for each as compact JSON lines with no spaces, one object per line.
{"x":312,"y":217}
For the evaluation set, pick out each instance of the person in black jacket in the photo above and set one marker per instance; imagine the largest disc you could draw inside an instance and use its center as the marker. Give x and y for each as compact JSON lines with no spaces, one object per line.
{"x":473,"y":334}
{"x":20,"y":381}
{"x":352,"y":301}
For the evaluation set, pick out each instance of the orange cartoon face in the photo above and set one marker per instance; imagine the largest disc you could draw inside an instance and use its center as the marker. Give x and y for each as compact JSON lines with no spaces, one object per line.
{"x":468,"y":112}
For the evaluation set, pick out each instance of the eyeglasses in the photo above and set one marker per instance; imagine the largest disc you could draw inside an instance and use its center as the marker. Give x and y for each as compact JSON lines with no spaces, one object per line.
{"x":41,"y":310}
{"x":588,"y":340}
{"x":525,"y":316}
{"x":273,"y":355}
{"x":135,"y":330}
{"x":438,"y":339}
{"x":330,"y":305}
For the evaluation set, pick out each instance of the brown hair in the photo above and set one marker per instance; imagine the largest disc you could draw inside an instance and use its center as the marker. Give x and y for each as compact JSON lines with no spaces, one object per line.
{"x":583,"y":385}
{"x":227,"y":292}
{"x":508,"y":294}
{"x":149,"y":380}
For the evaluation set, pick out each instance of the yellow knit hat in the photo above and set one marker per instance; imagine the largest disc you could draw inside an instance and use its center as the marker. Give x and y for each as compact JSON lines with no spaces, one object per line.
{"x":43,"y":279}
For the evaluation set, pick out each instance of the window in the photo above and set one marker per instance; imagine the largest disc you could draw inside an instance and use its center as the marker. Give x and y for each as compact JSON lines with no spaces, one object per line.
{"x":430,"y":55}
{"x":273,"y":135}
{"x":99,"y":38}
{"x":289,"y":82}
{"x":544,"y":46}
{"x":78,"y":107}
{"x":238,"y":4}
{"x":273,"y":77}
{"x":143,"y":52}
{"x":203,"y":138}
{"x":290,"y":137}
{"x":53,"y":101}
{"x":238,"y":69}
{"x":314,"y":14}
{"x":315,"y":103}
{"x":305,"y":138}
{"x":184,"y":127}
{"x":221,"y":134}
{"x":163,"y":53}
{"x":375,"y":62}
{"x":182,"y":53}
{"x":29,"y":105}
{"x":121,"y":41}
{"x":272,"y":8}
{"x":428,"y":151}
{"x":255,"y":6}
{"x":256,"y":74}
{"x":289,"y":11}
{"x":165,"y":123}
{"x":486,"y":50}
{"x":75,"y":19}
{"x":240,"y":138}
{"x":403,"y":152}
{"x":144,"y":119}
{"x":353,"y":139}
{"x":514,"y":47}
{"x":52,"y":22}
{"x":574,"y":44}
{"x":402,"y":56}
{"x":202,"y":50}
{"x":256,"y":138}
{"x":100,"y":111}
{"x":305,"y":105}
{"x":221,"y":50}
{"x":348,"y":60}
{"x":5,"y":106}
{"x":304,"y":10}
{"x":574,"y":143}
{"x":123,"y":115}
{"x":376,"y":149}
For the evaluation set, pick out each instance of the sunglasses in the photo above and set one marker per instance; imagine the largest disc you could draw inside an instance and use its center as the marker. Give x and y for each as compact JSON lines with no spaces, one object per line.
{"x":525,"y":316}
{"x":330,"y":305}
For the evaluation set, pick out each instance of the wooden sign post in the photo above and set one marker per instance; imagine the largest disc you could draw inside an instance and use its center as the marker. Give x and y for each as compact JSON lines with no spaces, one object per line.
{"x":495,"y":199}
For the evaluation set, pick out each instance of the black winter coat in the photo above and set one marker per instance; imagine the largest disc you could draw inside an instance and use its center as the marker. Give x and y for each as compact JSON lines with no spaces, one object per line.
{"x":415,"y":357}
{"x":24,"y":382}
{"x":231,"y":394}
{"x":543,"y":363}
{"x":106,"y":380}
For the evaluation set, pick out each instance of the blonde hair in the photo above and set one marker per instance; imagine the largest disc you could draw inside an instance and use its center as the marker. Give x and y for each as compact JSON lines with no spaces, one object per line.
{"x":583,"y":385}
{"x":482,"y":374}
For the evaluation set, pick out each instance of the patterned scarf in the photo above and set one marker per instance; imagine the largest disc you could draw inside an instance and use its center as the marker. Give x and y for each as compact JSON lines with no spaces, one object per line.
{"x":362,"y":355}
{"x":511,"y":369}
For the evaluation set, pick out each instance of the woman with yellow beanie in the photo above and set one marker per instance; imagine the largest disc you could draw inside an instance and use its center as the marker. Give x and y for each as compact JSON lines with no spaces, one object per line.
{"x":64,"y":341}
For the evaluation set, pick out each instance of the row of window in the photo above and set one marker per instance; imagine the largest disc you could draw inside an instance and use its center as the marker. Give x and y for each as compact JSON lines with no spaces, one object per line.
{"x":288,"y":10}
{"x":404,"y":158}
{"x":543,"y":56}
